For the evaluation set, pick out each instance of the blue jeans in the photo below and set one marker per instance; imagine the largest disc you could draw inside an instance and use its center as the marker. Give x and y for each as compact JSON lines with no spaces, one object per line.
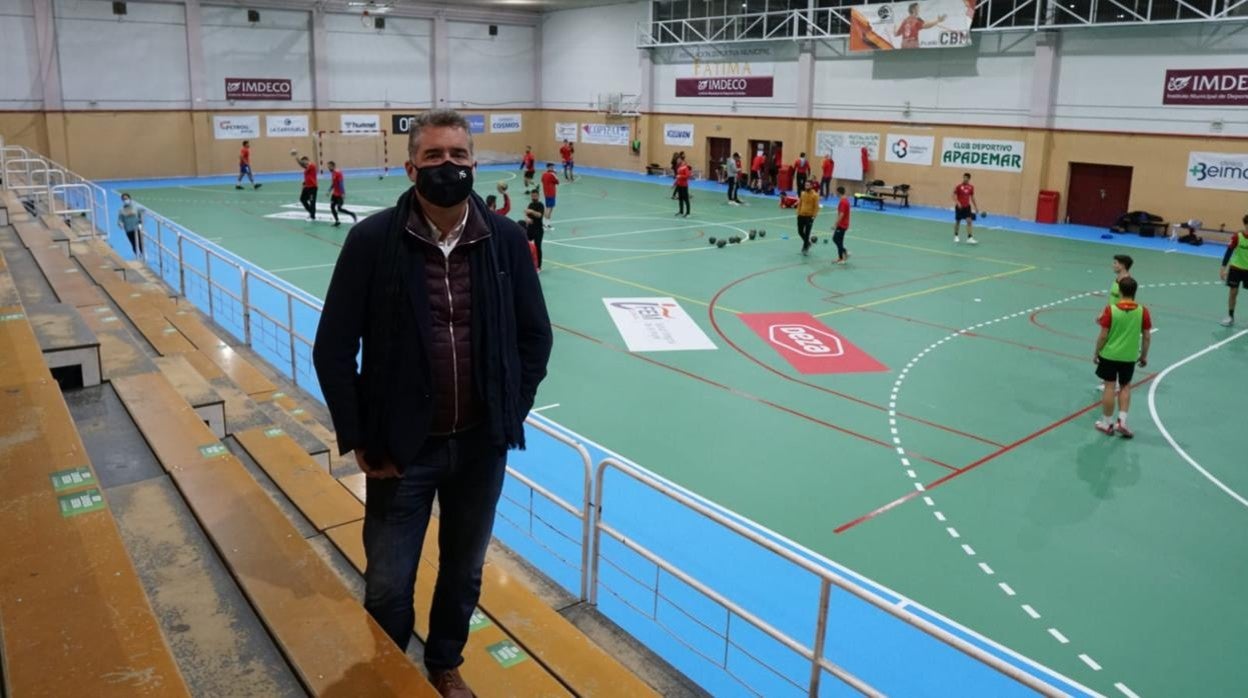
{"x":465,"y":472}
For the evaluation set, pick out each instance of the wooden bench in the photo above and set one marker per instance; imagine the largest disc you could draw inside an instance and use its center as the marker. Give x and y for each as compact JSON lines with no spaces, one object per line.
{"x":494,"y":664}
{"x":242,"y":413}
{"x":303,"y":480}
{"x":8,"y":289}
{"x":143,"y":309}
{"x":75,"y":617}
{"x":869,"y":198}
{"x":305,"y":418}
{"x":898,"y":192}
{"x":196,"y":390}
{"x":554,"y":641}
{"x":13,"y":207}
{"x":120,"y":352}
{"x":67,"y":343}
{"x":334,"y":646}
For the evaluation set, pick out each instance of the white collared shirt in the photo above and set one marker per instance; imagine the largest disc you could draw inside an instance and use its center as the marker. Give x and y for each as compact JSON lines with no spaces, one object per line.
{"x":446,"y":242}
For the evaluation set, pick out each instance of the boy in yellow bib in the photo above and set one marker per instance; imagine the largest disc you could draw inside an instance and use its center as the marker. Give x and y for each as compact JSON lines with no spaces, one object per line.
{"x":1123,"y":343}
{"x":1235,"y":271}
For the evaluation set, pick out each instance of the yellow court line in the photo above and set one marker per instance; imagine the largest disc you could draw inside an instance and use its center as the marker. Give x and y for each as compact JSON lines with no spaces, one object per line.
{"x":643,"y":287}
{"x":942,"y":252}
{"x":924,"y":292}
{"x":655,"y":254}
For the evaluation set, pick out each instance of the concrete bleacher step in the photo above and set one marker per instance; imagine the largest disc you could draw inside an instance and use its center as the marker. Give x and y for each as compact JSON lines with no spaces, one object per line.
{"x":75,"y":617}
{"x":8,"y":288}
{"x":36,"y":236}
{"x":64,"y":276}
{"x":196,"y":390}
{"x":494,"y":665}
{"x":67,"y":342}
{"x":246,"y":376}
{"x":242,"y":413}
{"x":331,"y":642}
{"x":303,"y":480}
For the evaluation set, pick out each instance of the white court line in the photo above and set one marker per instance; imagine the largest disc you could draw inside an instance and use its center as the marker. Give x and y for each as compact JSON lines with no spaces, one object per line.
{"x":1122,"y":687}
{"x":309,"y":266}
{"x":544,"y":408}
{"x":1152,"y":408}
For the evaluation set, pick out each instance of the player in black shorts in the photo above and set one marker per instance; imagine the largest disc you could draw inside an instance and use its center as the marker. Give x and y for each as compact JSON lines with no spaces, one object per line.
{"x":964,"y":208}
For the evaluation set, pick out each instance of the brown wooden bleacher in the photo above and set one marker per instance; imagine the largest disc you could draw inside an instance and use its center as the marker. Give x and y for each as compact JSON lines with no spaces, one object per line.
{"x":75,"y":617}
{"x":330,"y":641}
{"x":65,"y":277}
{"x":308,"y":485}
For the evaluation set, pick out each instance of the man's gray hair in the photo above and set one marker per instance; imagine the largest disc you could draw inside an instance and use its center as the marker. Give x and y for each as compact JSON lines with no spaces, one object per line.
{"x":436,"y":118}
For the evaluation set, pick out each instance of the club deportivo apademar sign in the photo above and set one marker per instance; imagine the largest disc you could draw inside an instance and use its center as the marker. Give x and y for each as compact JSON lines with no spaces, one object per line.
{"x":975,"y":154}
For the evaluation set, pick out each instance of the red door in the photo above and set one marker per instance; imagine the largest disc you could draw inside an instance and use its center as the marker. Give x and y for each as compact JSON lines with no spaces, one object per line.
{"x":1097,"y":194}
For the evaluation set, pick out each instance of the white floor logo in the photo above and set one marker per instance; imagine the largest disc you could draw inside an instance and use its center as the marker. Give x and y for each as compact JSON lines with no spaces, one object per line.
{"x":655,"y":324}
{"x":296,"y":212}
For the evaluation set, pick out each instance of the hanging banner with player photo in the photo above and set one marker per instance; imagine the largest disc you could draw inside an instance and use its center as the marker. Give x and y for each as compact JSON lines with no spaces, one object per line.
{"x":235,"y":127}
{"x":359,"y":124}
{"x":906,"y":25}
{"x":566,"y":131}
{"x":605,"y":134}
{"x":909,"y":150}
{"x":678,"y":134}
{"x":827,"y":141}
{"x":976,"y":154}
{"x":286,"y":126}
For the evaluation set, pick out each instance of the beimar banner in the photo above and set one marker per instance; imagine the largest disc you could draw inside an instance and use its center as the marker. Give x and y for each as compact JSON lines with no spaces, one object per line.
{"x":905,"y":25}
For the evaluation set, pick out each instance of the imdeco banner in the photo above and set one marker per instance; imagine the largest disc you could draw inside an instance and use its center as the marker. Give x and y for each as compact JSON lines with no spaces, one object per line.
{"x":905,"y":25}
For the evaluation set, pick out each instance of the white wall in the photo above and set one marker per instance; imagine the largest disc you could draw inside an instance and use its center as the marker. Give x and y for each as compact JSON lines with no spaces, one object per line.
{"x":588,"y":52}
{"x":491,"y":71}
{"x":278,"y":46}
{"x":1112,"y":80}
{"x":19,"y":72}
{"x":371,"y":67}
{"x":987,"y":83}
{"x":136,"y":61}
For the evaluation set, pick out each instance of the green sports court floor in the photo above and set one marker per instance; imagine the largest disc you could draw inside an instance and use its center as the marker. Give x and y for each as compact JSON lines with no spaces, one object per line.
{"x":966,"y":476}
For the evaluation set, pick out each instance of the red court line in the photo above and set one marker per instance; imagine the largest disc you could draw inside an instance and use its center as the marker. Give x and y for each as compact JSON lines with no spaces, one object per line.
{"x":966,"y":469}
{"x":1059,"y":333}
{"x":738,"y":393}
{"x":792,"y":379}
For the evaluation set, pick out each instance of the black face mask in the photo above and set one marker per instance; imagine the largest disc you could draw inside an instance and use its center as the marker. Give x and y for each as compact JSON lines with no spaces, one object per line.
{"x":444,"y":185}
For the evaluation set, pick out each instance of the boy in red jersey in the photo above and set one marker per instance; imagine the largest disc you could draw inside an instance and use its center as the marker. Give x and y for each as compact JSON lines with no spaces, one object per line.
{"x":566,"y":153}
{"x":965,"y":207}
{"x":801,"y":169}
{"x":550,"y":187}
{"x":825,"y":182}
{"x":842,"y":226}
{"x":307,"y":196}
{"x":337,"y":194}
{"x":682,"y":187}
{"x":529,"y":165}
{"x":244,"y":167}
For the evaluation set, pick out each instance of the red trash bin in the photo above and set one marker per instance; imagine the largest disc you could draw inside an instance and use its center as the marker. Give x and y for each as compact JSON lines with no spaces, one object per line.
{"x":1046,"y":206}
{"x":784,"y":178}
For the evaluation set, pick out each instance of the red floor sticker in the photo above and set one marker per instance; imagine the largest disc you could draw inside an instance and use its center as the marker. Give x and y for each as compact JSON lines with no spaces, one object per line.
{"x":809,"y":345}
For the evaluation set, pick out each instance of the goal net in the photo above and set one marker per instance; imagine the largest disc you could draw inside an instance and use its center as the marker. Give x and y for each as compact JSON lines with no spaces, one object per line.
{"x":368,"y":151}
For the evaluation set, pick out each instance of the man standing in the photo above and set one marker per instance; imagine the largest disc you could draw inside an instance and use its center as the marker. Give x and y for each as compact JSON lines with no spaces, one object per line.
{"x":307,"y":195}
{"x":529,"y":165}
{"x":801,"y":170}
{"x":535,"y":229}
{"x":682,"y":188}
{"x":244,"y":167}
{"x":825,"y":182}
{"x":1126,"y":330}
{"x":446,"y":305}
{"x":1235,"y":271}
{"x":965,"y":208}
{"x":550,"y":187}
{"x":807,"y":209}
{"x":566,"y":153}
{"x":732,"y":175}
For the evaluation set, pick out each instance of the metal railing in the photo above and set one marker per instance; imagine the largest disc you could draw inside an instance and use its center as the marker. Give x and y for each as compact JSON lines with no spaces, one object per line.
{"x":274,"y":319}
{"x":52,"y":188}
{"x":814,"y":653}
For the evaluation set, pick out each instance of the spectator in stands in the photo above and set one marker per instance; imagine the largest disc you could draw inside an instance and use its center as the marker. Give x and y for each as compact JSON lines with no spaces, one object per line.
{"x":130,"y":219}
{"x":443,"y":298}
